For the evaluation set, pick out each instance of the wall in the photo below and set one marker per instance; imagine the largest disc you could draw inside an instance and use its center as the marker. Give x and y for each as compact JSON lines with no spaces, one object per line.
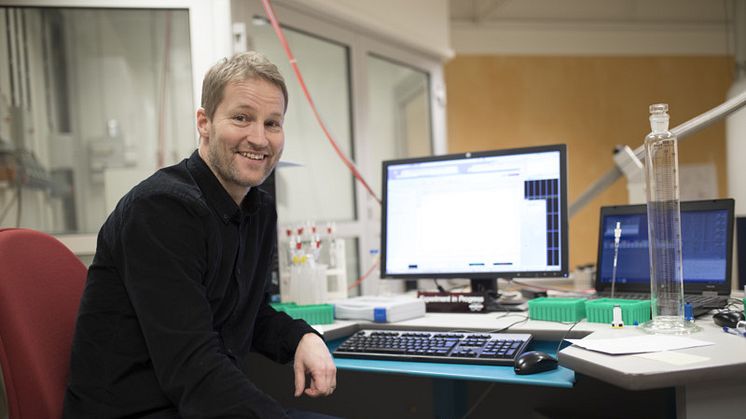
{"x":589,"y":103}
{"x":420,"y":24}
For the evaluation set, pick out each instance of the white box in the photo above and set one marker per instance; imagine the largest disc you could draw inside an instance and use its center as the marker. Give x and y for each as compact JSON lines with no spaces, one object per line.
{"x":379,"y":309}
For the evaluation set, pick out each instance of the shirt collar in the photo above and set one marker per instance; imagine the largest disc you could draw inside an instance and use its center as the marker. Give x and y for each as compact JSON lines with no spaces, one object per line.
{"x":217,"y":196}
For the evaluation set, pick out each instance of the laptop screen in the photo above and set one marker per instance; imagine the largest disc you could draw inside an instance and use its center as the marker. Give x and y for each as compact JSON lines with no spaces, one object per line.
{"x":706,"y":241}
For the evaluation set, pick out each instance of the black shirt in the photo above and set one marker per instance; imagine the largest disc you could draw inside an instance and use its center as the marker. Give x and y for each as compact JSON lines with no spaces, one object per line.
{"x":176,"y":297}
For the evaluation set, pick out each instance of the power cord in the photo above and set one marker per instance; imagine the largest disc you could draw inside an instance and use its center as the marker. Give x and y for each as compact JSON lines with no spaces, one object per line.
{"x":567,"y":332}
{"x":479,"y":401}
{"x":491,"y":386}
{"x":617,"y":236}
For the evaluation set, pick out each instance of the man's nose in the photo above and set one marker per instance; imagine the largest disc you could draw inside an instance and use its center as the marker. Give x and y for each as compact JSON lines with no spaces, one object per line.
{"x":257,"y":134}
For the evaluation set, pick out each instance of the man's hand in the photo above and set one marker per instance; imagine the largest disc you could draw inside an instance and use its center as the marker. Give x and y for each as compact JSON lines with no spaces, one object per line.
{"x":312,"y":358}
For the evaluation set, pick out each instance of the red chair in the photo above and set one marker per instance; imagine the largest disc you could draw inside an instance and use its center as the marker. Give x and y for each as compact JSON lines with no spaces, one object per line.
{"x":41,"y":282}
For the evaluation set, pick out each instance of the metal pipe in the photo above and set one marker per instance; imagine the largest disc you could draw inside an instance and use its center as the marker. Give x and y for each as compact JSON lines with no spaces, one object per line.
{"x":687,"y":128}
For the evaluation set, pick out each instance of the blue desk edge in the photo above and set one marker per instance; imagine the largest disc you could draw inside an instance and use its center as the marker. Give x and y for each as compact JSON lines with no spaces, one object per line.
{"x":561,"y":377}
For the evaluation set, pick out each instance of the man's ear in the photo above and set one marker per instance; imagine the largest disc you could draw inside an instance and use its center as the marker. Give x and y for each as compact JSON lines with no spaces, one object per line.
{"x":203,"y":124}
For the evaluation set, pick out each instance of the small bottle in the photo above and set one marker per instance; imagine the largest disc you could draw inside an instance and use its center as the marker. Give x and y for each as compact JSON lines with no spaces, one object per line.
{"x":617,"y":321}
{"x":664,"y":227}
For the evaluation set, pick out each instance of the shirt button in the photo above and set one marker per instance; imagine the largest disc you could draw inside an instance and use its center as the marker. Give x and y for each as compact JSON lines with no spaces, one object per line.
{"x":238,"y":271}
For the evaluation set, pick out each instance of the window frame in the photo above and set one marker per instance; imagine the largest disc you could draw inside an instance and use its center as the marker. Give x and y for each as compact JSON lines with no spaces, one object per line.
{"x":366,"y":227}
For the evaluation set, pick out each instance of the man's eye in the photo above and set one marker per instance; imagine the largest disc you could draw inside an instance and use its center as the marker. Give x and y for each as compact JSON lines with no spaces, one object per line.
{"x":240,"y":118}
{"x":274,"y":124}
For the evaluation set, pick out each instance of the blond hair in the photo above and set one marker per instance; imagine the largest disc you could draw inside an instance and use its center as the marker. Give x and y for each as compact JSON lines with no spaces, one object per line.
{"x":240,"y":67}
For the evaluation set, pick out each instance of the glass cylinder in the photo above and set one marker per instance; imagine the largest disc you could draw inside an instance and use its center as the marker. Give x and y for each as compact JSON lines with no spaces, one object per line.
{"x":664,"y":228}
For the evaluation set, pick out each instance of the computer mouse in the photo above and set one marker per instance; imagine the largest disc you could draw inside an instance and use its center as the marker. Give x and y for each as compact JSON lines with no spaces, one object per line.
{"x":534,"y":361}
{"x":727,"y":318}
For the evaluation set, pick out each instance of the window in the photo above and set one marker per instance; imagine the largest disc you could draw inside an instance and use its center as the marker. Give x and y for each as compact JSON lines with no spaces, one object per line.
{"x":97,"y":100}
{"x":376,"y":100}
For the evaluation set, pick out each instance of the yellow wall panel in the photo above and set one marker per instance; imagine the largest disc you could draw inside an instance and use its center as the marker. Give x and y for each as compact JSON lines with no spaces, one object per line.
{"x":589,"y":103}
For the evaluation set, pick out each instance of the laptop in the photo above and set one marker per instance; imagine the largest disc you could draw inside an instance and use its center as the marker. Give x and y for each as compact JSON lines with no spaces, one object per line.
{"x":707,"y":244}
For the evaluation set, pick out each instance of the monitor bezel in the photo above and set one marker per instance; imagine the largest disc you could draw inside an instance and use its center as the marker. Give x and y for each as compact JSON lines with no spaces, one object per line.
{"x":563,"y":272}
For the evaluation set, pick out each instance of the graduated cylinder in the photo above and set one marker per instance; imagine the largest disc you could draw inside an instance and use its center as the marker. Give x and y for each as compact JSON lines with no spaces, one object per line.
{"x":664,"y":227}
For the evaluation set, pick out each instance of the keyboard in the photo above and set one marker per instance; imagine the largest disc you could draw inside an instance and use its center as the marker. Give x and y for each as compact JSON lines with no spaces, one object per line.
{"x":449,"y":347}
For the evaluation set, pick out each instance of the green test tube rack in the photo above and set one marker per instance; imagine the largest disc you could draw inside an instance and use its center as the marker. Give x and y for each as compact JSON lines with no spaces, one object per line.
{"x":634,"y":312}
{"x":557,"y":309}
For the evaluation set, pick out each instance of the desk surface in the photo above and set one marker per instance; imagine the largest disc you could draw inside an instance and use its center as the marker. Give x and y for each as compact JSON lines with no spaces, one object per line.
{"x":724,"y":360}
{"x":561,"y":377}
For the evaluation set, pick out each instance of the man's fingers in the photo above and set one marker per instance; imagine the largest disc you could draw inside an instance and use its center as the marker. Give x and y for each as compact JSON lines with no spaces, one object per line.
{"x":300,"y":381}
{"x":333,"y":378}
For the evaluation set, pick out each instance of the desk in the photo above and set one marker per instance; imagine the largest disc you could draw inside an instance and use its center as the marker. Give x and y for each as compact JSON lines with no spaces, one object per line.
{"x":714,"y":387}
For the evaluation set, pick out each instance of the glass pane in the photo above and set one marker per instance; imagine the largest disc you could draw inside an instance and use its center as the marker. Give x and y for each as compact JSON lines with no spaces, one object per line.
{"x":321,"y":188}
{"x":96,"y":100}
{"x":398,"y":113}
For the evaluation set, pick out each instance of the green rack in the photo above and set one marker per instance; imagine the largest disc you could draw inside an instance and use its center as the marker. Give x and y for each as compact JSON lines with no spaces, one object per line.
{"x":634,"y":312}
{"x":557,"y":309}
{"x":311,"y":313}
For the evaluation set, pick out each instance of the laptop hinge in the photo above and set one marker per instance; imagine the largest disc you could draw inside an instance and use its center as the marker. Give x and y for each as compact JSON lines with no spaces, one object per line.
{"x":709,"y":293}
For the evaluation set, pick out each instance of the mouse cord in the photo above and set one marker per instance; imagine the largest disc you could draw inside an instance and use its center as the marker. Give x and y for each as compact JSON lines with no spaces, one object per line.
{"x":523,"y":320}
{"x":564,"y":336}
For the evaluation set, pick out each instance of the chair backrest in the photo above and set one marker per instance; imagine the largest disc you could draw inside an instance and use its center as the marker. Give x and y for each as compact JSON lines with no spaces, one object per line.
{"x":41,"y":283}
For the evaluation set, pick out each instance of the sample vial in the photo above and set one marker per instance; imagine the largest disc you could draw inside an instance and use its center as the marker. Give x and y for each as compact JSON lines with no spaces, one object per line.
{"x":664,"y":228}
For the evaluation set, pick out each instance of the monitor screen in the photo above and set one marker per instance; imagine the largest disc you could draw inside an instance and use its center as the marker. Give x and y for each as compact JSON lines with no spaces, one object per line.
{"x":492,"y":214}
{"x":704,"y":239}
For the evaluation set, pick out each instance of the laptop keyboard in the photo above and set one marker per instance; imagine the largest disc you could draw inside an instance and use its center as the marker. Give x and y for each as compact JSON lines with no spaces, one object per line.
{"x":704,"y":301}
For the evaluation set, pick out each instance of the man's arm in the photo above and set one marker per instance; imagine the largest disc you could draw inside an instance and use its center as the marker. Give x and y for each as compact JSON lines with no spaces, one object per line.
{"x":164,"y":247}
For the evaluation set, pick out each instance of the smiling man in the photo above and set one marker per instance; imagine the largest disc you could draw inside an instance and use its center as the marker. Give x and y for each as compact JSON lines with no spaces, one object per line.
{"x":176,"y":295}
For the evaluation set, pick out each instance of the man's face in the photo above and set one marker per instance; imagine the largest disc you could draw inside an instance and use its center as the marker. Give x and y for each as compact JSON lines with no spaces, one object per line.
{"x":243,"y":141}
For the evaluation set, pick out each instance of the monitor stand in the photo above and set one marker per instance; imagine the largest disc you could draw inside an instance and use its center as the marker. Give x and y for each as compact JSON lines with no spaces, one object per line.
{"x":492,"y":301}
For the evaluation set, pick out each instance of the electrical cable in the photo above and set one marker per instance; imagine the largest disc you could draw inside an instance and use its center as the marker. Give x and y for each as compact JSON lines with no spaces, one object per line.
{"x":523,"y":320}
{"x":543,"y":288}
{"x":365,"y":275}
{"x":5,"y":211}
{"x":564,"y":336}
{"x":19,"y":205}
{"x":350,"y":165}
{"x":617,"y":236}
{"x":491,"y":386}
{"x":479,"y":401}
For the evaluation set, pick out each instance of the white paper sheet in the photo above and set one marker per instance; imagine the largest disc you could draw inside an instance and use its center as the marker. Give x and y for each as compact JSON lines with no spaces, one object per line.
{"x":674,"y":358}
{"x":638,"y":344}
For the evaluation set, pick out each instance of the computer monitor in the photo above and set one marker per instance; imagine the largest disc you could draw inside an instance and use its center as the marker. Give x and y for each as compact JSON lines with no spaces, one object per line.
{"x":480,"y":216}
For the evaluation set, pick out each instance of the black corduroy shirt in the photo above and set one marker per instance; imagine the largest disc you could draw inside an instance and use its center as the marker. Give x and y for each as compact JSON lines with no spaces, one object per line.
{"x":176,"y":298}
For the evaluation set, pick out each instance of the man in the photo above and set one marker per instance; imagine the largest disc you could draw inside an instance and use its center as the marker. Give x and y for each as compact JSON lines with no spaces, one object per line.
{"x":177,"y":292}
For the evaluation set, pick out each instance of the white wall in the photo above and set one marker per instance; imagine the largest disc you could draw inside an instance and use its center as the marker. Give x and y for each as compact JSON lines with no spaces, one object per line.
{"x":588,"y":39}
{"x":419,"y":24}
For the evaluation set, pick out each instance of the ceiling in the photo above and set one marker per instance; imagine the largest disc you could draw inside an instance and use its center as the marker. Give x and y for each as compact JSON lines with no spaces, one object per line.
{"x":664,"y":12}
